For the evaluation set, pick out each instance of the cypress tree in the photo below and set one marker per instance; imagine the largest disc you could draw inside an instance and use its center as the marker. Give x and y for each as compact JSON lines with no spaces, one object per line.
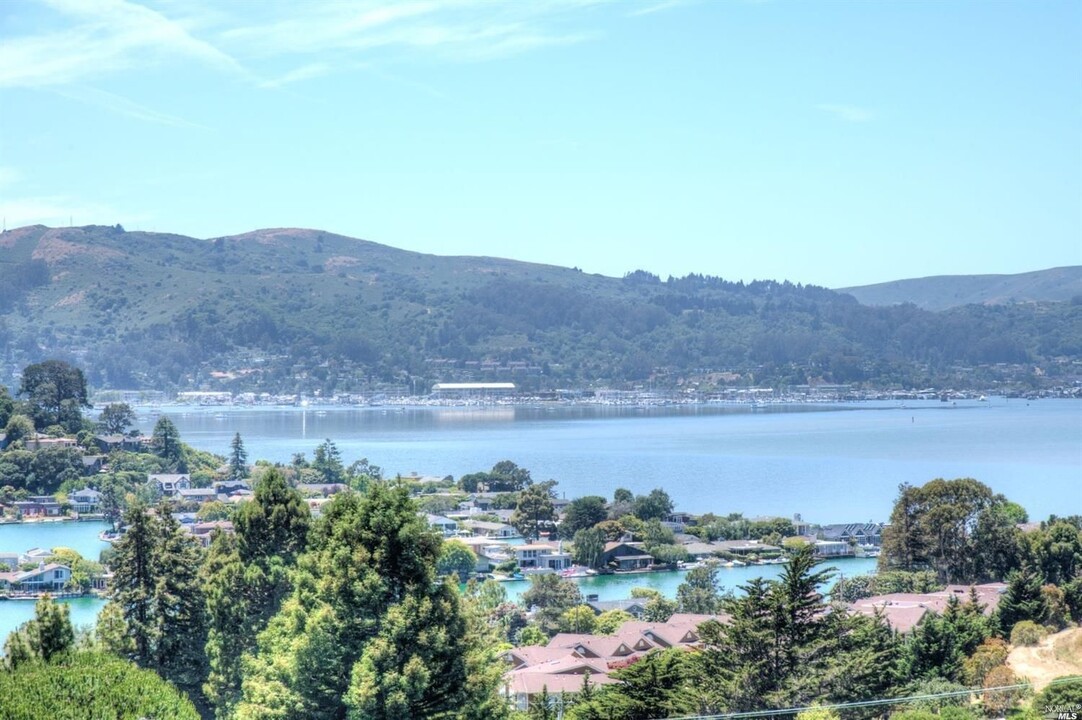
{"x":1022,"y":600}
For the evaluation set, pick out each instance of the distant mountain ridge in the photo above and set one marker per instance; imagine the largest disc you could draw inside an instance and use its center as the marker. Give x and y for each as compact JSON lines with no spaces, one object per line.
{"x":942,"y":292}
{"x":297,"y":310}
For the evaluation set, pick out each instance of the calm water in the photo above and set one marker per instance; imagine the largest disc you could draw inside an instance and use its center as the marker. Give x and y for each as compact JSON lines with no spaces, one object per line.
{"x":829,"y":463}
{"x":82,"y":537}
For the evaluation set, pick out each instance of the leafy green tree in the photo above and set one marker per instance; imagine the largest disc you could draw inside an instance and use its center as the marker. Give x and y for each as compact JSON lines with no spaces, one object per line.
{"x":958,"y":528}
{"x":611,"y":621}
{"x":51,"y":467}
{"x":7,"y":405}
{"x":456,"y":559}
{"x":531,"y":635}
{"x":578,"y":619}
{"x":238,"y":459}
{"x":551,"y":595}
{"x":19,"y":428}
{"x":116,"y":418}
{"x":56,"y":392}
{"x":534,"y":512}
{"x":654,"y":687}
{"x":583,"y":513}
{"x":1062,"y":692}
{"x":111,"y":631}
{"x":699,"y":591}
{"x":990,"y":654}
{"x":655,"y":506}
{"x":1058,"y":552}
{"x":588,"y":548}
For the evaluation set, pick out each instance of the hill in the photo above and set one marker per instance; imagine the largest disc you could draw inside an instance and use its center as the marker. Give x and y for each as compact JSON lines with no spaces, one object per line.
{"x":292,"y":310}
{"x":943,"y":292}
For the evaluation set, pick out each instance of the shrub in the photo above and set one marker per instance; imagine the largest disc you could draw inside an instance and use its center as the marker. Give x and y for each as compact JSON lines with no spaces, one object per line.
{"x":1027,"y":632}
{"x":998,"y":702}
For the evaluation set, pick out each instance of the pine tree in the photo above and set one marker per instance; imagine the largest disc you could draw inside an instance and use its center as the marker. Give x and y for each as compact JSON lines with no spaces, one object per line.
{"x":158,"y":594}
{"x":165,"y":440}
{"x":363,"y":621}
{"x":238,"y":459}
{"x":1022,"y":600}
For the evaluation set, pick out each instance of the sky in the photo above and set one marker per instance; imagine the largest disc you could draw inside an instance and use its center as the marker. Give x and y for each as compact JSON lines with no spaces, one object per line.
{"x":830,"y":143}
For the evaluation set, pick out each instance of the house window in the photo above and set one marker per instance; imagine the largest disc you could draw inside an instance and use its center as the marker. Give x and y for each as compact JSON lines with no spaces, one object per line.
{"x":57,"y":574}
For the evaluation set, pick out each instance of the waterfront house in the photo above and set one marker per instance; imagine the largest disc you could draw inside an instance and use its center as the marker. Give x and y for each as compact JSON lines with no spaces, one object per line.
{"x":38,"y":506}
{"x":541,"y":555}
{"x":626,"y":556}
{"x":9,"y":560}
{"x":196,"y":495}
{"x":747,"y":547}
{"x":50,"y":577}
{"x":204,"y":532}
{"x":168,"y":484}
{"x":445,"y":526}
{"x":490,"y":529}
{"x":85,"y":501}
{"x":833,"y":548}
{"x":35,"y":555}
{"x":489,"y":552}
{"x":321,"y":489}
{"x":634,"y":608}
{"x":858,"y":533}
{"x":109,"y":443}
{"x":701,"y":550}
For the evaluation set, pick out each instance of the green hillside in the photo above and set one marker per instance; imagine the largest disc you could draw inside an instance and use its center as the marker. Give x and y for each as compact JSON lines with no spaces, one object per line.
{"x":943,"y":292}
{"x":304,"y":310}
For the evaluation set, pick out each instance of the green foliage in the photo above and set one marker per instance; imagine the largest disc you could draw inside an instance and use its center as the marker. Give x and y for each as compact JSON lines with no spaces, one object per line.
{"x":7,"y":405}
{"x":699,"y":592}
{"x":56,"y":392}
{"x":583,"y":513}
{"x":534,"y":512}
{"x":610,"y":621}
{"x":157,"y":589}
{"x":1063,"y":692}
{"x":656,"y":686}
{"x":531,"y":635}
{"x":818,"y":714}
{"x":116,"y":418}
{"x":1057,"y":550}
{"x":456,"y":559}
{"x":551,"y":595}
{"x":165,"y":440}
{"x":958,"y":528}
{"x":940,"y":643}
{"x":238,"y":459}
{"x":1023,"y":599}
{"x":46,"y":636}
{"x":1027,"y":632}
{"x":18,"y":428}
{"x":990,"y":654}
{"x":654,"y":506}
{"x":367,"y":631}
{"x":505,"y":477}
{"x":90,"y":686}
{"x":578,"y":619}
{"x":588,"y":548}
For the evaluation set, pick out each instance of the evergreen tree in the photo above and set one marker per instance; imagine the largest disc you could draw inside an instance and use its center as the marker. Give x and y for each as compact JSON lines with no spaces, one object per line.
{"x":238,"y":459}
{"x":1022,"y":600}
{"x":246,"y":578}
{"x":157,"y":591}
{"x":365,"y":618}
{"x":328,"y":463}
{"x":165,"y":440}
{"x":46,"y":636}
{"x":699,"y":592}
{"x":534,"y":511}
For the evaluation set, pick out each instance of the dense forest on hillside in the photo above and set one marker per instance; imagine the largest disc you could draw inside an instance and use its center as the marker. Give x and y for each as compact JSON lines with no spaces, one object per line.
{"x":304,"y":310}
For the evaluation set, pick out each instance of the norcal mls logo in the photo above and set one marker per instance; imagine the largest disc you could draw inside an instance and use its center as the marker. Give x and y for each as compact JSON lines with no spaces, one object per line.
{"x":1063,"y":712}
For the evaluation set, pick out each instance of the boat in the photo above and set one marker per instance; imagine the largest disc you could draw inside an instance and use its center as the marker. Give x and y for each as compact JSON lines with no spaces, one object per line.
{"x":575,"y":571}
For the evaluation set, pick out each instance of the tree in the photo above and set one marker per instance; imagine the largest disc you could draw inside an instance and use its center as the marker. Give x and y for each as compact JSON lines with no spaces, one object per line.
{"x":246,"y":579}
{"x":578,"y":619}
{"x":610,"y":621}
{"x":56,"y":392}
{"x":456,"y":559}
{"x":655,"y":506}
{"x":583,"y":513}
{"x":367,"y":630}
{"x":534,"y":512}
{"x":1022,"y":600}
{"x":699,"y":591}
{"x":157,"y":589}
{"x":238,"y":459}
{"x":588,"y":548}
{"x":116,"y":418}
{"x":656,"y":686}
{"x":551,"y":595}
{"x":327,"y":461}
{"x":958,"y":528}
{"x":165,"y":440}
{"x":47,"y":635}
{"x":7,"y":405}
{"x":19,"y":428}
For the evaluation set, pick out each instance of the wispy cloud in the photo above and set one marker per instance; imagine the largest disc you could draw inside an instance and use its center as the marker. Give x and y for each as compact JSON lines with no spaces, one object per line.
{"x":124,"y":106}
{"x":305,"y":72}
{"x":657,"y":7}
{"x":98,"y":37}
{"x":848,"y":113}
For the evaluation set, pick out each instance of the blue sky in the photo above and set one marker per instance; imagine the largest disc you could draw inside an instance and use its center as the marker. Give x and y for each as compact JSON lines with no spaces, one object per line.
{"x":834,"y":143}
